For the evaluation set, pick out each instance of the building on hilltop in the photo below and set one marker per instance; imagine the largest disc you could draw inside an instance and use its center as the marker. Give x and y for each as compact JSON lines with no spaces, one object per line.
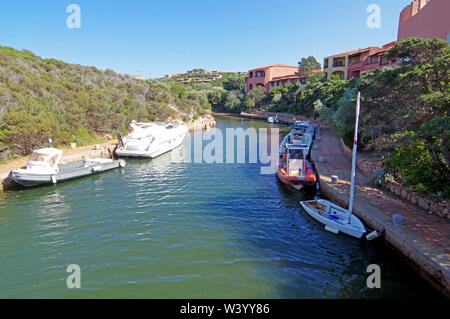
{"x":425,"y":19}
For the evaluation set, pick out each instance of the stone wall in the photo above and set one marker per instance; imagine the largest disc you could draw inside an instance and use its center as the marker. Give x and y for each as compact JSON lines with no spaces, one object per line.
{"x":370,"y":166}
{"x":366,"y":165}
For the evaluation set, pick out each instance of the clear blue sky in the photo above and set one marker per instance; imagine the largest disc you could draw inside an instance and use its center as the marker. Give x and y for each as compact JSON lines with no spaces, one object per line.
{"x":154,"y":38}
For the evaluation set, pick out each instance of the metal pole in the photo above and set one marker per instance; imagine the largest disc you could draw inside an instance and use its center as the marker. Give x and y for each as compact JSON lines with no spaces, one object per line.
{"x":355,"y":146}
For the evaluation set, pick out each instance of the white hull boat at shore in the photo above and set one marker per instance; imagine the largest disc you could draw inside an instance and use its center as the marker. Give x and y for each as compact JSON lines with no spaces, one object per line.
{"x":334,"y":217}
{"x":151,"y":139}
{"x":43,"y":167}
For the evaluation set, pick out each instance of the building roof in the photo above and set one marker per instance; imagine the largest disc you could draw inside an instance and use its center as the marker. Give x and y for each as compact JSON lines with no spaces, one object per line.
{"x":274,"y":65}
{"x":286,"y":77}
{"x":351,"y":52}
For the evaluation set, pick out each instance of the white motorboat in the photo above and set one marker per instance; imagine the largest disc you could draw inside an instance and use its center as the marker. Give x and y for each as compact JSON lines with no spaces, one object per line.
{"x":273,"y":120}
{"x":44,"y":167}
{"x":151,"y":139}
{"x":335,"y":218}
{"x":301,"y":134}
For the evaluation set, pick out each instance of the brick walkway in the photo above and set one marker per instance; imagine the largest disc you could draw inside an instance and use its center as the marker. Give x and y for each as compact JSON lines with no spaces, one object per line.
{"x":423,"y":238}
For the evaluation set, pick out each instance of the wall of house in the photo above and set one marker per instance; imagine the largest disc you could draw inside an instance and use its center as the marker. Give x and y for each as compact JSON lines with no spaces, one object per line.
{"x":270,"y":73}
{"x":424,"y":19}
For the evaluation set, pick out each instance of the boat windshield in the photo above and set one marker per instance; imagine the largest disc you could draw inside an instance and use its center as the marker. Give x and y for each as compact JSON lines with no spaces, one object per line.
{"x":37,"y":157}
{"x":295,"y":154}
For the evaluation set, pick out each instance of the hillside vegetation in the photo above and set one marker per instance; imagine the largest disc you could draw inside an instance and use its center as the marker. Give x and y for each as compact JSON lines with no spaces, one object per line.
{"x":405,"y":112}
{"x":42,"y":98}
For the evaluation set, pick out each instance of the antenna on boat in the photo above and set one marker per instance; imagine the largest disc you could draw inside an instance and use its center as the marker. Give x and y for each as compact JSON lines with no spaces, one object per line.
{"x":355,"y":146}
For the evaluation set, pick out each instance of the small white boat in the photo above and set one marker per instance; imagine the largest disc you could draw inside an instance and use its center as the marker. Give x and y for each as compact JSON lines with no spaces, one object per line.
{"x":151,"y":139}
{"x":43,"y":167}
{"x":273,"y":120}
{"x":335,"y":218}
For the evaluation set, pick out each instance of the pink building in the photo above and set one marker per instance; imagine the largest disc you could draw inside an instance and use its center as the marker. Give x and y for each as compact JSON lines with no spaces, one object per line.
{"x":271,"y":75}
{"x":369,"y":59}
{"x":425,"y":19}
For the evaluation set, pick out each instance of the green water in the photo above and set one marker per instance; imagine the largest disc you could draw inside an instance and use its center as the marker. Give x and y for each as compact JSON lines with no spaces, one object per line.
{"x":159,"y":229}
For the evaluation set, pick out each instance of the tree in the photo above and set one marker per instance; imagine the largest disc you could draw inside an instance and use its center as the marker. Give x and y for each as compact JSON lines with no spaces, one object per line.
{"x":308,"y":65}
{"x":249,"y":103}
{"x":258,"y":93}
{"x":406,"y":113}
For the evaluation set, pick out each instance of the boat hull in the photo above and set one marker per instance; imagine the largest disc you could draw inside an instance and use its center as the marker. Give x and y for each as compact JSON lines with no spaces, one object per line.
{"x":152,"y":153}
{"x":298,"y":182}
{"x":334,"y":222}
{"x":67,"y":172}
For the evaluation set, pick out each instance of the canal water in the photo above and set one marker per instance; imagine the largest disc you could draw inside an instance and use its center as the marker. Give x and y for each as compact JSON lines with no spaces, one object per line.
{"x":165,"y":229}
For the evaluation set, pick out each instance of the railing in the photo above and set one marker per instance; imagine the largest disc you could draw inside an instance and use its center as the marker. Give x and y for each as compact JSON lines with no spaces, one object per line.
{"x":338,"y":64}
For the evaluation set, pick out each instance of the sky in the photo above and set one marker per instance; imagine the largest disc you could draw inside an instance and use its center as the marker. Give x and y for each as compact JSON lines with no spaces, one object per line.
{"x":154,"y":38}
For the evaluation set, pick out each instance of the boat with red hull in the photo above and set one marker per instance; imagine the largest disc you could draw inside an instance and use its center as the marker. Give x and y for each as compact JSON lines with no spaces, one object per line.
{"x":294,"y":169}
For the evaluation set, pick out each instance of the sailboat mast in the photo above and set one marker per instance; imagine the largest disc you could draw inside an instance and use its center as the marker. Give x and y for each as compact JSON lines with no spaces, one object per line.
{"x":355,"y":146}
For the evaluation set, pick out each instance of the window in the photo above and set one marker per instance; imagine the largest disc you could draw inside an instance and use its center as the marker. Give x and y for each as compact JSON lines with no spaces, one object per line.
{"x":250,"y":74}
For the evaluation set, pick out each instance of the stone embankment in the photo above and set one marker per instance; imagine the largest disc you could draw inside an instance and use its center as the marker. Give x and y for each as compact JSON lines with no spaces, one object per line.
{"x":369,"y":166}
{"x":282,"y":117}
{"x":422,"y":239}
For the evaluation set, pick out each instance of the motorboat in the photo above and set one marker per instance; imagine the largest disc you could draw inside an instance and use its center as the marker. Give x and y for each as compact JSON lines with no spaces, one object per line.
{"x":151,"y":139}
{"x":294,"y":169}
{"x":336,"y":218}
{"x":273,"y":120}
{"x":301,"y":134}
{"x":44,"y":167}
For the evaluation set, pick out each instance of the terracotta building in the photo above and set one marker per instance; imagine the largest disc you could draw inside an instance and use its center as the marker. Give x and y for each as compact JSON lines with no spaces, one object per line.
{"x":369,"y":59}
{"x":425,"y":19}
{"x":271,"y":76}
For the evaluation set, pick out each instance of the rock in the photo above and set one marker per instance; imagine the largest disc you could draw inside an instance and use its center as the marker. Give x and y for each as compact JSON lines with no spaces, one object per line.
{"x":423,"y":203}
{"x":73,"y":145}
{"x":403,"y":193}
{"x":414,"y":199}
{"x":334,"y":179}
{"x":108,"y":137}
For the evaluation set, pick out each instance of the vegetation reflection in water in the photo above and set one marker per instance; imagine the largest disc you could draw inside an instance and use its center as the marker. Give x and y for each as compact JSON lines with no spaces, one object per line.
{"x":159,"y":229}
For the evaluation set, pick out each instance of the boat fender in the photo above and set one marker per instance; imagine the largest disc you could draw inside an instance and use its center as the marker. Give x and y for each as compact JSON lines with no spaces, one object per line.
{"x":122,"y":163}
{"x":96,"y":168}
{"x":375,"y":234}
{"x":53,"y":178}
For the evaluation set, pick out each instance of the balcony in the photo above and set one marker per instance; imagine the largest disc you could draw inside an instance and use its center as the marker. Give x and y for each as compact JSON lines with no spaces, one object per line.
{"x":338,"y":64}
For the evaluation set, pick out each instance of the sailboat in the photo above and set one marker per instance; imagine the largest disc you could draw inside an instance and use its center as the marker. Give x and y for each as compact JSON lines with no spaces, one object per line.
{"x":335,"y":218}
